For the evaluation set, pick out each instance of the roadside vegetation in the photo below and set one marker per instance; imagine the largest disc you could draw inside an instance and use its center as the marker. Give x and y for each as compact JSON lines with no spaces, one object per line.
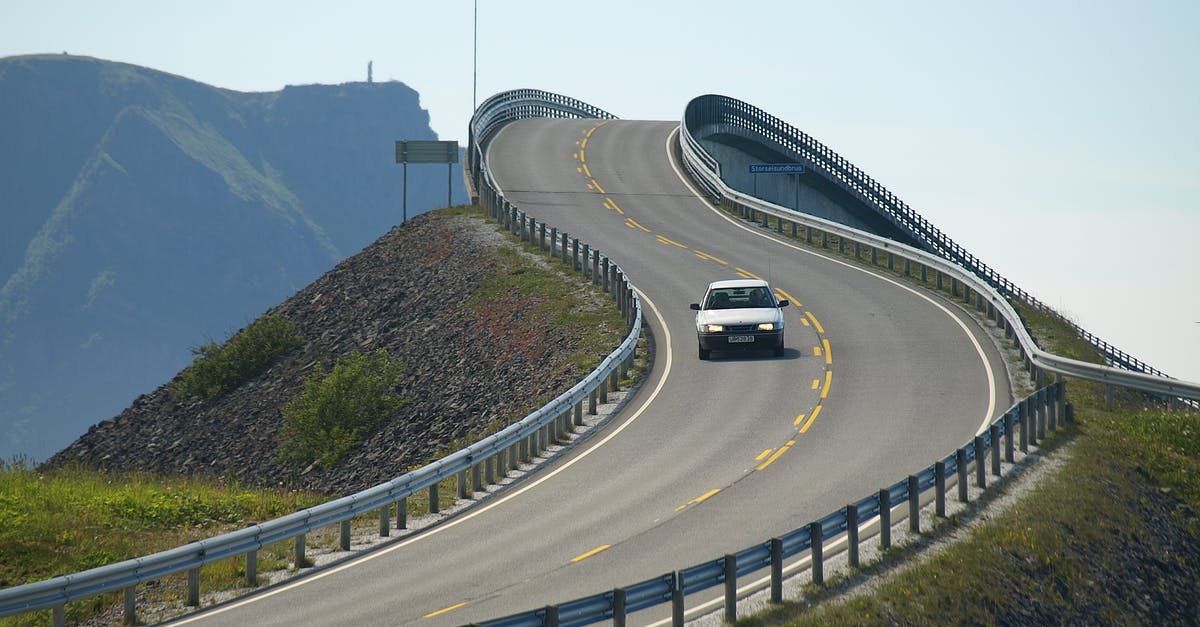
{"x":1112,"y":537}
{"x":219,"y":368}
{"x":74,"y":519}
{"x":336,"y":411}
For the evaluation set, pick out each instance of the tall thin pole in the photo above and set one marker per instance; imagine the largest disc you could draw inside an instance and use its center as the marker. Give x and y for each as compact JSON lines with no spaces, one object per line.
{"x":404,"y":220}
{"x":475,"y":61}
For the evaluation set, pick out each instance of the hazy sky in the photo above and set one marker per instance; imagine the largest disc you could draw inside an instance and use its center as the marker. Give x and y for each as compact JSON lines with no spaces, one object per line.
{"x":1058,"y":141}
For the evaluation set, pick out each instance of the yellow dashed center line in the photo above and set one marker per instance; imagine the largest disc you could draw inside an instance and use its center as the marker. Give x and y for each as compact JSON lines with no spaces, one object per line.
{"x":828,"y":380}
{"x":763,"y":454}
{"x":788,"y":297}
{"x":709,"y":257}
{"x":783,"y":449}
{"x":746,"y":274}
{"x":698,"y":499}
{"x":449,"y":609}
{"x":587,"y":171}
{"x":817,"y":325}
{"x":633,"y":224}
{"x":816,"y":410}
{"x":816,"y":351}
{"x":669,"y":241}
{"x":828,"y":354}
{"x":796,"y":423}
{"x":816,"y":383}
{"x":590,"y":553}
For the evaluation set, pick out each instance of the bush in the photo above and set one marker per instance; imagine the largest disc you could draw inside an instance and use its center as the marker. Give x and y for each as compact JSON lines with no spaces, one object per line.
{"x":218,"y":369}
{"x":337,"y":411}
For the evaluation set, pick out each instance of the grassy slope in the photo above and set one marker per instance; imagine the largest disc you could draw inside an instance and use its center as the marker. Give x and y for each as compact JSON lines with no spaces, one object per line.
{"x":75,"y":520}
{"x":1113,"y":537}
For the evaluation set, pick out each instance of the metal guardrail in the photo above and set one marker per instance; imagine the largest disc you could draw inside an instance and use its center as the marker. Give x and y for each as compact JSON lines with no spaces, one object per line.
{"x":492,"y":456}
{"x":1023,"y":425}
{"x":745,"y":120}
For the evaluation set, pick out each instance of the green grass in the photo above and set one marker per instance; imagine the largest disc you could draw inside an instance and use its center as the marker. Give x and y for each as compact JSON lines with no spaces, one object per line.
{"x":219,"y":368}
{"x":1053,"y":552}
{"x":73,"y":520}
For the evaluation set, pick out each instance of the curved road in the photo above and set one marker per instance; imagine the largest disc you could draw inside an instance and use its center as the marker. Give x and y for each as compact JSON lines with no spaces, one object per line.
{"x":879,"y":379}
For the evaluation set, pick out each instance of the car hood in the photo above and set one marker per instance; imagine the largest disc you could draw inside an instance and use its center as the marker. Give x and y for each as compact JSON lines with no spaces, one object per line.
{"x":754,"y":315}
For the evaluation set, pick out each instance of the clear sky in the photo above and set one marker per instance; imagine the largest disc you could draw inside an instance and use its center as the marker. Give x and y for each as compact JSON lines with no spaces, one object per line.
{"x":1057,"y":141}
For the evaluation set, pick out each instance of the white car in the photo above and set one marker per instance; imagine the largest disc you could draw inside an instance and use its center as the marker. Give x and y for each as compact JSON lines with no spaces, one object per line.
{"x":739,"y":314}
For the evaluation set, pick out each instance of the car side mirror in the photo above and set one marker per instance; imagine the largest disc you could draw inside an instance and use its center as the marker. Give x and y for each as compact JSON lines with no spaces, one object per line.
{"x":695,"y":306}
{"x":783,"y":303}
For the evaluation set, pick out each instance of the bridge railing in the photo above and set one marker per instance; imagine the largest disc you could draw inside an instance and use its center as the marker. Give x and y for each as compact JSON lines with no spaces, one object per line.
{"x":735,"y":117}
{"x":483,"y":463}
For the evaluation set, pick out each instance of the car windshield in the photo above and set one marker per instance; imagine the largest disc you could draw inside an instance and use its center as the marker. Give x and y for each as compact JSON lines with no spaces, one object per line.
{"x":739,"y":298}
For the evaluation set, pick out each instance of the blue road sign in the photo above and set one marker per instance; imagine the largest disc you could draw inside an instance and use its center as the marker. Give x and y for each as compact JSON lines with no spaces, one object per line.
{"x":776,"y":168}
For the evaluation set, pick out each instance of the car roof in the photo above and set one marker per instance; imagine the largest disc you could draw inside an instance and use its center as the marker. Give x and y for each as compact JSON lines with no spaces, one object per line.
{"x":737,"y":283}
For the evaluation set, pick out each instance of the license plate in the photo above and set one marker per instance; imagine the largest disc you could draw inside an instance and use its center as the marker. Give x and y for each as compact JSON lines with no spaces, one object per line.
{"x":741,"y":339}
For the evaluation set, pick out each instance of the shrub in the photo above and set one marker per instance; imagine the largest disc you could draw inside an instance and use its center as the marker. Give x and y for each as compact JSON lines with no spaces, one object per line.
{"x":335,"y":412}
{"x":218,"y":369}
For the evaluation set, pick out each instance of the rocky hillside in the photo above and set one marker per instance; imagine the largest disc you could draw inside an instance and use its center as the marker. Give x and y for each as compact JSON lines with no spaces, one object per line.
{"x":142,"y":214}
{"x":408,"y":294}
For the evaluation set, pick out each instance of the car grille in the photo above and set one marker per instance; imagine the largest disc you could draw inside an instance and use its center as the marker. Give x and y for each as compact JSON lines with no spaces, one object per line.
{"x":740,"y":328}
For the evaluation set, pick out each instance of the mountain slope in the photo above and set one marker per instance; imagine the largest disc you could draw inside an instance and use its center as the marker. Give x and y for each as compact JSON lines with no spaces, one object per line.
{"x":142,"y":213}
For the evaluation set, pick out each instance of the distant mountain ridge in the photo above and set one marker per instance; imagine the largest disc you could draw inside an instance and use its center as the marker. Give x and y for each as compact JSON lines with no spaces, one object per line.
{"x":142,"y":213}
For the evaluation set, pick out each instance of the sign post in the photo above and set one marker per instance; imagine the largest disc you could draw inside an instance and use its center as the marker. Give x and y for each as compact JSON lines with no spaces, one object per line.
{"x":426,"y":152}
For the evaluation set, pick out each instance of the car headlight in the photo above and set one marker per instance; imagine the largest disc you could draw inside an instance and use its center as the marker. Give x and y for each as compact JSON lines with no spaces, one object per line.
{"x":766,"y":326}
{"x":711,"y":328}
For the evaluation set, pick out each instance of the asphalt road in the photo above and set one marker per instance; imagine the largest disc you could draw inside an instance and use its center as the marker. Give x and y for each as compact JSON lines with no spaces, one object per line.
{"x":879,"y":378}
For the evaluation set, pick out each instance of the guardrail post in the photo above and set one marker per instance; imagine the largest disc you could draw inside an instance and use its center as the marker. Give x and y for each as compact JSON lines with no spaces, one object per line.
{"x":793,"y":230}
{"x":523,"y":449}
{"x":924,"y":275}
{"x":462,"y":484}
{"x":816,"y":553}
{"x":824,"y":239}
{"x":477,"y":473}
{"x":857,"y":251}
{"x":994,"y":434}
{"x":563,"y":248}
{"x":939,"y":488}
{"x":852,"y":534}
{"x":618,"y":607}
{"x":551,"y":616}
{"x":874,"y":256}
{"x":1035,"y":431}
{"x":1023,"y":418}
{"x":808,"y":235}
{"x":587,"y":256}
{"x":980,"y":463}
{"x":914,"y":504}
{"x":553,"y":241}
{"x":385,"y":515}
{"x":730,"y":587}
{"x":542,"y":236}
{"x":605,"y":270}
{"x":434,"y":506}
{"x":131,"y":605}
{"x":960,"y":461}
{"x":1052,"y":408}
{"x":592,"y":403}
{"x":252,"y":568}
{"x":603,"y":390}
{"x":59,"y":615}
{"x":891,"y":262}
{"x":677,"y":599}
{"x":885,"y":519}
{"x":1008,"y":437}
{"x":402,"y":513}
{"x":297,"y":554}
{"x":575,"y":254}
{"x":1108,"y":396}
{"x":595,"y":267}
{"x":579,"y":414}
{"x":1040,"y":408}
{"x":1062,"y":397}
{"x":193,"y":588}
{"x":532,"y":228}
{"x":776,"y":570}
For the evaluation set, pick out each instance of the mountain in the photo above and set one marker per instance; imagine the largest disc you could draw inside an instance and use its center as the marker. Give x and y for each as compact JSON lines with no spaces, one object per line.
{"x":143,"y":214}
